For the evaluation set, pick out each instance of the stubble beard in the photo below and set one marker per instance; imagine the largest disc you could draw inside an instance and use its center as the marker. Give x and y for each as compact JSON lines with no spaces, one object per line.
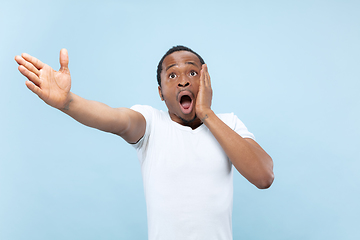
{"x":188,"y":121}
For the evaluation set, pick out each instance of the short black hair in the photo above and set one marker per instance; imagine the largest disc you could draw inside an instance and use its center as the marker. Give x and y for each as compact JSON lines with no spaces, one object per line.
{"x":170,"y":51}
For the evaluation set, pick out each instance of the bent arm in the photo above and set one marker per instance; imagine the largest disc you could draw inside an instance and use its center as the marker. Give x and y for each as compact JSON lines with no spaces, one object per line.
{"x":127,"y":123}
{"x":246,"y":155}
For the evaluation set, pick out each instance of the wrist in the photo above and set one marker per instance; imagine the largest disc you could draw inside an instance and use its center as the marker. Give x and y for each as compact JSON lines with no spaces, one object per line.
{"x":204,"y":115}
{"x":69,"y":99}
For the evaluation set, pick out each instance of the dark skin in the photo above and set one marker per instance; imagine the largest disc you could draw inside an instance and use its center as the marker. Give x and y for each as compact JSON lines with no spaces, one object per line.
{"x":182,"y":74}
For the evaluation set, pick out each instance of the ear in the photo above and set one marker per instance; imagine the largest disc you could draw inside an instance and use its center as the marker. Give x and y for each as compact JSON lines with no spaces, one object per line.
{"x":160,"y":94}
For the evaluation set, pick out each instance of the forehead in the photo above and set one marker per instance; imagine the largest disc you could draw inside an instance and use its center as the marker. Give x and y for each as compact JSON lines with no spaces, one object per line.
{"x":180,"y":57}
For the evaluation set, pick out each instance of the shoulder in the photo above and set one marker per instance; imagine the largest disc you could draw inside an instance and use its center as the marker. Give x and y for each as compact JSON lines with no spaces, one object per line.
{"x":150,"y":114}
{"x":142,"y":108}
{"x":229,"y":119}
{"x":146,"y":110}
{"x":235,"y":124}
{"x":154,"y":119}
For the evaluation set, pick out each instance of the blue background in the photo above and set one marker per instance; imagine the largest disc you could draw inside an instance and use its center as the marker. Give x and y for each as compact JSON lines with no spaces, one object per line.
{"x":288,"y":69}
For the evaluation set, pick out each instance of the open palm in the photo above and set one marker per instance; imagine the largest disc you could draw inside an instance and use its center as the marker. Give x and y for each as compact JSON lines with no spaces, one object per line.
{"x":53,"y":87}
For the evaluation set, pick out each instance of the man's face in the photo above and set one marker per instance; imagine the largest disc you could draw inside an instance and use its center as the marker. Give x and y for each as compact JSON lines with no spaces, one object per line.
{"x":180,"y":85}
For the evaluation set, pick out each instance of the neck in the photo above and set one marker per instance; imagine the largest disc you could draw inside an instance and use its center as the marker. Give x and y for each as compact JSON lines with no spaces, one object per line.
{"x":193,"y":123}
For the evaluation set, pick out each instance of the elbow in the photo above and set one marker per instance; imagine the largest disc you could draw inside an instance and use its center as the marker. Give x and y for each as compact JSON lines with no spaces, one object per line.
{"x":266,"y":181}
{"x":267,"y":177}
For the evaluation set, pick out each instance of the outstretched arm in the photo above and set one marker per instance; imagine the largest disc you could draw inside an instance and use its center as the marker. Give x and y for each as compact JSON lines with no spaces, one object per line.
{"x":246,"y":155}
{"x":53,"y":87}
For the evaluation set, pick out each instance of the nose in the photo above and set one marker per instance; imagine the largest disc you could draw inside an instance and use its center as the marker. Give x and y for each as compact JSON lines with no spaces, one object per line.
{"x":184,"y":82}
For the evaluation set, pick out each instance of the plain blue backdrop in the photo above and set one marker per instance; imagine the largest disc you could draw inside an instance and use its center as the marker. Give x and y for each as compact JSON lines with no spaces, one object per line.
{"x":288,"y":69}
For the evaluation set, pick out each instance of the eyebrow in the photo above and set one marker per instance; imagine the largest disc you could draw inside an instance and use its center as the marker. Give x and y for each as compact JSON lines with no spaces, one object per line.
{"x":175,"y":64}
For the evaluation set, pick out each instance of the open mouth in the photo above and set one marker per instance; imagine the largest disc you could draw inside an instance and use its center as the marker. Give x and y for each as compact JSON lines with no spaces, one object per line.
{"x":186,"y":101}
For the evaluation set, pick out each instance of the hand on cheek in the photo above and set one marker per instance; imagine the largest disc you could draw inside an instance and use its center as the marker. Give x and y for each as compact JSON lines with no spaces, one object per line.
{"x":204,"y":97}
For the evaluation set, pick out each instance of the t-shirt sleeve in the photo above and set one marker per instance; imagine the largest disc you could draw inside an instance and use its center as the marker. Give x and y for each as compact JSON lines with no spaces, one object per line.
{"x":241,"y":129}
{"x":147,"y":112}
{"x":237,"y":125}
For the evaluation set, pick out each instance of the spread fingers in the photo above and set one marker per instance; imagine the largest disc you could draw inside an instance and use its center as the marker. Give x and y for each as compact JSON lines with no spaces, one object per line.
{"x":35,"y":89}
{"x":206,"y":75}
{"x":34,"y":61}
{"x":29,"y":66}
{"x":30,"y":75}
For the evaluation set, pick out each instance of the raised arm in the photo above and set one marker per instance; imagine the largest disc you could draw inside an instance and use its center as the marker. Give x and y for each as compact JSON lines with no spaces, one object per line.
{"x":246,"y":155}
{"x":53,"y":87}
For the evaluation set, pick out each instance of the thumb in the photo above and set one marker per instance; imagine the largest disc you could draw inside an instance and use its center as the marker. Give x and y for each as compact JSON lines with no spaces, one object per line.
{"x":64,"y":59}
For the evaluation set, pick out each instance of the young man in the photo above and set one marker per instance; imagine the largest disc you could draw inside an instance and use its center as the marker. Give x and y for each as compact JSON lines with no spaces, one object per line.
{"x":186,"y":154}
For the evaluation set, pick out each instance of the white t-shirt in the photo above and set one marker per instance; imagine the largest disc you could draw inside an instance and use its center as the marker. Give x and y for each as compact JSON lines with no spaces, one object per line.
{"x":187,"y":177}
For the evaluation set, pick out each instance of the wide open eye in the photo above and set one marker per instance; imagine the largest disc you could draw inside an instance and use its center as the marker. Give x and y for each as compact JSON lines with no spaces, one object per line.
{"x":172,"y":75}
{"x":193,"y":73}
